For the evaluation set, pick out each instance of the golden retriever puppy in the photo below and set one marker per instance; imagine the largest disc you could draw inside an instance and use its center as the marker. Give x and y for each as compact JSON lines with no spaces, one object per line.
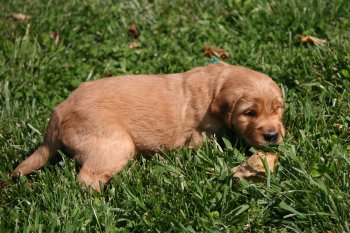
{"x":105,"y":123}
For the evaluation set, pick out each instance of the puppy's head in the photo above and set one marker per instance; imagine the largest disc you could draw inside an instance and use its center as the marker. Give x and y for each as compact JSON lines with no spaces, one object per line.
{"x":251,"y":104}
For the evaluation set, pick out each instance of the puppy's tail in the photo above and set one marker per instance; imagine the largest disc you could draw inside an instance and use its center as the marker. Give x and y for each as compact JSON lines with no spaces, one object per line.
{"x":38,"y":159}
{"x":45,"y":152}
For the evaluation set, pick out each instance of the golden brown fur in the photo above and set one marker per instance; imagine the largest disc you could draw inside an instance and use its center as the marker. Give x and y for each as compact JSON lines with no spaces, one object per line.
{"x":105,"y":123}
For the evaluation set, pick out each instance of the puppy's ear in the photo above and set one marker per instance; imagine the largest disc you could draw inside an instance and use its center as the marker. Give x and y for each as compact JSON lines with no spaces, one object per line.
{"x":223,"y":105}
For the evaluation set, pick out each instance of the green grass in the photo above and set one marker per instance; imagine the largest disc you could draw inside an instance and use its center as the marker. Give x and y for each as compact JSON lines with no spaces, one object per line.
{"x":184,"y":190}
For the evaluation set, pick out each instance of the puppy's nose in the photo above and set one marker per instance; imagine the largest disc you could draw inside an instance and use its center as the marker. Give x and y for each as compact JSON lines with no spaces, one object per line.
{"x":271,"y":136}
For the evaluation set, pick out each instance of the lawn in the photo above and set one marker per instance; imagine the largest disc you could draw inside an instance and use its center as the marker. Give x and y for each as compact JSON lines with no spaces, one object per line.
{"x":64,"y":43}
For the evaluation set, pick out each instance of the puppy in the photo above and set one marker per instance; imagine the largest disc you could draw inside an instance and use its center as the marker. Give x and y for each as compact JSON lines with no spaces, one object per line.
{"x":105,"y":123}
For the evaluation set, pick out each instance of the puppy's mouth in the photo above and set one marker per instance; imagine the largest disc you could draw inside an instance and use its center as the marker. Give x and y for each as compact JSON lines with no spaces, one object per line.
{"x":268,"y":138}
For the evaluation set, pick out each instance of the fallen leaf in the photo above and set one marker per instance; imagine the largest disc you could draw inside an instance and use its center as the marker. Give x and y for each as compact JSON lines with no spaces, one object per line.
{"x":20,"y":16}
{"x":134,"y":45}
{"x":55,"y":36}
{"x":133,"y":32}
{"x":2,"y":184}
{"x":217,"y":52}
{"x":254,"y":167}
{"x":313,"y":40}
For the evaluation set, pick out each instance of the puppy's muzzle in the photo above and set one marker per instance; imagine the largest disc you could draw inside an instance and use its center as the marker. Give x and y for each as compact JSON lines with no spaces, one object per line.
{"x":271,"y":137}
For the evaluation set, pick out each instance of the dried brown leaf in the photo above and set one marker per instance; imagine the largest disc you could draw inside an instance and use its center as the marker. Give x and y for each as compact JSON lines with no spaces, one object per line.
{"x":133,"y":32}
{"x":20,"y":16}
{"x":2,"y":184}
{"x":55,"y":36}
{"x":254,"y":167}
{"x":217,"y":52}
{"x":313,"y":40}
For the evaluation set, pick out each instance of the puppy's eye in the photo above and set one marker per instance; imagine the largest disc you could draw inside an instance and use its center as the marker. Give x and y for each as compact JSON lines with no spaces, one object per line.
{"x":250,"y":113}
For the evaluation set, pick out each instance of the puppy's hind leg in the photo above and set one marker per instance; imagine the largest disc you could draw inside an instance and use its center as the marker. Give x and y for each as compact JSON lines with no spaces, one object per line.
{"x":104,"y":157}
